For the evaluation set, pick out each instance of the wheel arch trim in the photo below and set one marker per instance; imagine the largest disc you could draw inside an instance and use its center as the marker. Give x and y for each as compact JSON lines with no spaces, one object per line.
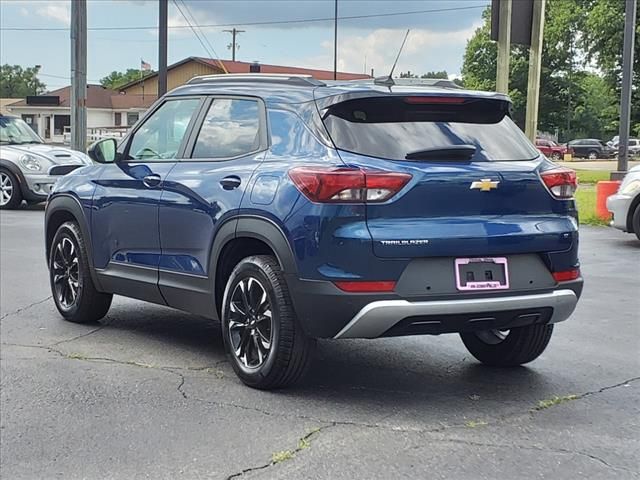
{"x":70,"y":204}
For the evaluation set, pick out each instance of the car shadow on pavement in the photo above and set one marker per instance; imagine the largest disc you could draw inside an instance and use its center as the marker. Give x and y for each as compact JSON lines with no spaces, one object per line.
{"x":401,"y":370}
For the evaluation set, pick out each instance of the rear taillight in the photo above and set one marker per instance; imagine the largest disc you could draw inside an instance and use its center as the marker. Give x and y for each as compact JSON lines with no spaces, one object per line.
{"x":347,"y":185}
{"x":561,"y":182}
{"x":366,"y":287}
{"x":566,"y":275}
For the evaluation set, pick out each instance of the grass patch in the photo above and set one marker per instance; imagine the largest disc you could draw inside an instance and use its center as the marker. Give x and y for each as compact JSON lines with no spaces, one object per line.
{"x":551,"y":402}
{"x":475,"y":423}
{"x":283,"y":456}
{"x":592,"y":176}
{"x":586,"y":202}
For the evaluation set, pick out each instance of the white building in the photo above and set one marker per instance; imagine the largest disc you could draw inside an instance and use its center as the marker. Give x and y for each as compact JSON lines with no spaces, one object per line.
{"x":50,"y":113}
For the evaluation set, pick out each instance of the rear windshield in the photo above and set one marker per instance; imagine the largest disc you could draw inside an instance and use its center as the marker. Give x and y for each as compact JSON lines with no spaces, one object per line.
{"x":394,"y":127}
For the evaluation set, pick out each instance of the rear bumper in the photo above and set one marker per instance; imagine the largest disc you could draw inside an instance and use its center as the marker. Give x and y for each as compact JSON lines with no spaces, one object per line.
{"x":324,"y":311}
{"x":379,"y":318}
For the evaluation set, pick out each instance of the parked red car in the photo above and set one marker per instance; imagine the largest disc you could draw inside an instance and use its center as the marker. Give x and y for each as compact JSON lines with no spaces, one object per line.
{"x":551,"y":149}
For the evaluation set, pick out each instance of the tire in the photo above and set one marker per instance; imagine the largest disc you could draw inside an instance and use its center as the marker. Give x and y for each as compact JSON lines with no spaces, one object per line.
{"x":10,"y":194}
{"x":517,"y":347}
{"x":260,"y":363}
{"x":592,"y":155}
{"x":635,"y":222}
{"x":68,"y":249}
{"x":555,"y":156}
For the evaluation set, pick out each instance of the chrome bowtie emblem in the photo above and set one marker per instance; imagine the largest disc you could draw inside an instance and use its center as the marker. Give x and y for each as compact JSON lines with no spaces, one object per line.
{"x":484,"y":184}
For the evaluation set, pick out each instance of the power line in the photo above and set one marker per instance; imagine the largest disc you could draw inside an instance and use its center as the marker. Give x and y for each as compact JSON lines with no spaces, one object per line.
{"x":268,"y":22}
{"x":193,"y":29}
{"x":204,"y":36}
{"x":206,"y":49}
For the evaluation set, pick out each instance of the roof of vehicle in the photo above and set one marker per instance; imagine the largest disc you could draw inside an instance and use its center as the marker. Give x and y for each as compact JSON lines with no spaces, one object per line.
{"x":300,"y":88}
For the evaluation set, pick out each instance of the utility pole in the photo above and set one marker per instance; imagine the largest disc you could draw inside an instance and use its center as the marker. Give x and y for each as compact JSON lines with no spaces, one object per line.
{"x":504,"y":47}
{"x":79,"y":75}
{"x":162,"y":48}
{"x":535,"y":60}
{"x":625,"y":97}
{"x":234,"y":31}
{"x":335,"y":41}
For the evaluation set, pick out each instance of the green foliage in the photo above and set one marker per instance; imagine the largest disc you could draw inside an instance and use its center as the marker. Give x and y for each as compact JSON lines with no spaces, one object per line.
{"x":18,"y":82}
{"x":574,"y":99}
{"x":116,"y":79}
{"x":409,"y":74}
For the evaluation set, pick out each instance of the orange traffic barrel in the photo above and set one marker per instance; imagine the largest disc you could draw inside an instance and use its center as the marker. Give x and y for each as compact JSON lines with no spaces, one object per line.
{"x":603,"y":190}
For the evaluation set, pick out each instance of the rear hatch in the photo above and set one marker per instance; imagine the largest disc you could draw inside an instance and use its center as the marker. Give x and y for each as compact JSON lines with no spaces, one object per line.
{"x":475,"y":185}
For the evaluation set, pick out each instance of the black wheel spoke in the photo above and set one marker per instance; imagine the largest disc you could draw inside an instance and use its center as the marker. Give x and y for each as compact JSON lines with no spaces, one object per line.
{"x":249,"y":322}
{"x":65,"y":272}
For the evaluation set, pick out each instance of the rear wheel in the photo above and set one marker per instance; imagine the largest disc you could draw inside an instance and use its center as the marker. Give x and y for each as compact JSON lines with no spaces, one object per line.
{"x":556,"y":156}
{"x":72,"y":287}
{"x":508,"y":348}
{"x":261,"y":333}
{"x":593,"y":155}
{"x":10,"y":194}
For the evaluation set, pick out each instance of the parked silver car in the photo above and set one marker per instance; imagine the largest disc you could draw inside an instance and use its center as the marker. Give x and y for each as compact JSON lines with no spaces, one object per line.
{"x":28,"y":167}
{"x":625,"y":205}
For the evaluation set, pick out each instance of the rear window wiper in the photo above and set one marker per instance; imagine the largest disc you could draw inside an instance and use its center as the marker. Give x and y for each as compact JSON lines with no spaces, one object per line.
{"x":450,"y":152}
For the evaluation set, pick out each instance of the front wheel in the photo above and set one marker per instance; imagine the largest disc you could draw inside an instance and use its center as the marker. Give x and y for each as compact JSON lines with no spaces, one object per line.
{"x":10,"y":194}
{"x":261,"y":333}
{"x":555,"y":156}
{"x":593,"y":155}
{"x":635,"y":222}
{"x":72,"y":287}
{"x":508,"y":348}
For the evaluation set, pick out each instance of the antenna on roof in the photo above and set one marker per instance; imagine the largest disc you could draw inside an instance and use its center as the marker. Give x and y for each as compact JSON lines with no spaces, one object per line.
{"x":388,"y":81}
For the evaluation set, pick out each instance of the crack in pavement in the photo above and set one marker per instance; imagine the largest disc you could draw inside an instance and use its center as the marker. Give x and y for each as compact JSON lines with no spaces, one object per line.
{"x":181,"y":390}
{"x":538,"y":448}
{"x":303,"y":444}
{"x":26,"y":307}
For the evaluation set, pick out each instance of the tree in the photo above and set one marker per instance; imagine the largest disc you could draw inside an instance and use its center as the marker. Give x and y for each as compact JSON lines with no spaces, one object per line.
{"x":566,"y":89}
{"x":116,"y":79}
{"x":602,"y":40}
{"x":18,"y":82}
{"x":441,"y":74}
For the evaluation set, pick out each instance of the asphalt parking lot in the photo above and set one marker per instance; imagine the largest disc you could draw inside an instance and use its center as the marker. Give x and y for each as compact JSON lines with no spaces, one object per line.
{"x":147,"y":393}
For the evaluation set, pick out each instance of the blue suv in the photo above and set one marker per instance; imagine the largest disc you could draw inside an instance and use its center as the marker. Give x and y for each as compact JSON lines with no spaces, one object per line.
{"x":291,"y":210}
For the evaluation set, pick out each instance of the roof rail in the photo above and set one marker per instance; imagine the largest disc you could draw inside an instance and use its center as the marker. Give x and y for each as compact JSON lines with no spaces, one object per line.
{"x":285,"y":78}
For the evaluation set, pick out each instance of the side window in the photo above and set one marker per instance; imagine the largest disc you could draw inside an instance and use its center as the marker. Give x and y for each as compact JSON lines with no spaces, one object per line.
{"x":160,"y":136}
{"x":231,"y":128}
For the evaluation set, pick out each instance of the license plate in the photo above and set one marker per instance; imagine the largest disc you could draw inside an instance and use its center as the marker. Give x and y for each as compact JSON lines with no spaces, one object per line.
{"x":488,"y":273}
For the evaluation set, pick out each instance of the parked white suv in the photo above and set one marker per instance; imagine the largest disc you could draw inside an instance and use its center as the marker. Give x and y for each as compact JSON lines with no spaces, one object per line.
{"x":625,"y":205}
{"x":28,"y":167}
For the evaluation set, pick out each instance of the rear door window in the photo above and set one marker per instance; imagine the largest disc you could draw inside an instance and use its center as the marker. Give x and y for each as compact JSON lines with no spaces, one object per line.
{"x":395,"y":127}
{"x":231,"y":128}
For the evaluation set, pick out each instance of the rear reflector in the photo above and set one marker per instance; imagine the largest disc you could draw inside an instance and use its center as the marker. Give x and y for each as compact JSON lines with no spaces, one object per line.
{"x":561,"y":182}
{"x":364,"y":287}
{"x":435,"y":100}
{"x":347,"y":185}
{"x":566,"y":275}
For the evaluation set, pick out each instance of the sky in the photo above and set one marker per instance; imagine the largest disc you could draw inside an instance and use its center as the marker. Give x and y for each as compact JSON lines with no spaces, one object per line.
{"x":436,"y":42}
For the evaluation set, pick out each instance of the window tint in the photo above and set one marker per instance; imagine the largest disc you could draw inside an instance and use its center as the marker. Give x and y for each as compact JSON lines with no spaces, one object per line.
{"x":160,"y":136}
{"x":230,"y":128}
{"x":393,"y":127}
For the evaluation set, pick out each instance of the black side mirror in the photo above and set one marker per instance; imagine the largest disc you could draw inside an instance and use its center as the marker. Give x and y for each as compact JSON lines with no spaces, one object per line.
{"x":103,"y":151}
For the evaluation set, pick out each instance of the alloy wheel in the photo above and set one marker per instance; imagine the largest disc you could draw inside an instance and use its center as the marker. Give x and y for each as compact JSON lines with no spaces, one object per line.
{"x":250,"y":323}
{"x":65,"y":271}
{"x":6,"y":189}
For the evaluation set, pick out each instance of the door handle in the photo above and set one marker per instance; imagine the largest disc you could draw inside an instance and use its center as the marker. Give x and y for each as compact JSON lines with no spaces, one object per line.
{"x":152,"y":180}
{"x":230,"y":182}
